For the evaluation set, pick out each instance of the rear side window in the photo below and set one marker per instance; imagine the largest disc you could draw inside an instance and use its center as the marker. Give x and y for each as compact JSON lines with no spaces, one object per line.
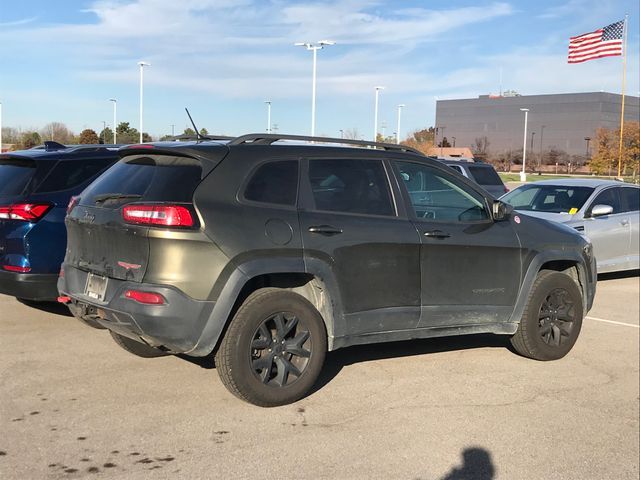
{"x":351,"y":186}
{"x":485,"y":175}
{"x":274,"y":182}
{"x":155,"y":178}
{"x":15,"y":176}
{"x":457,"y":169}
{"x":71,"y":173}
{"x":632,"y":199}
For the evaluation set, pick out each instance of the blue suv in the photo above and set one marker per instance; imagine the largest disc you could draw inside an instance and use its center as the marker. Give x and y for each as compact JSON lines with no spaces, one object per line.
{"x":35,"y":189}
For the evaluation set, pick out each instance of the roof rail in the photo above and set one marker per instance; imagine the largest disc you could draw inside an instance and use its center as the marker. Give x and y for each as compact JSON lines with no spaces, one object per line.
{"x":199,"y":137}
{"x":269,"y":138}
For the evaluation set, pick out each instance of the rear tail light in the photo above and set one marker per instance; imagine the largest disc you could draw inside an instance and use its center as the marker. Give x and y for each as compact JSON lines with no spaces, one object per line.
{"x":26,"y":212}
{"x":163,"y":215}
{"x":64,"y":299}
{"x":72,"y":203}
{"x":16,"y":268}
{"x":148,"y":298}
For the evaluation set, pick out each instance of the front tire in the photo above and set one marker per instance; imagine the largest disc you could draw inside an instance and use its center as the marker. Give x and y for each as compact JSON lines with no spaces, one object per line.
{"x":552,"y":318}
{"x":273,"y":350}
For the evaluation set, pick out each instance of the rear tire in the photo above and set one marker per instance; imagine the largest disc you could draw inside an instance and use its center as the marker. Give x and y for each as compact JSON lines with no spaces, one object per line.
{"x":552,"y":318}
{"x":137,"y":348}
{"x":273,"y":350}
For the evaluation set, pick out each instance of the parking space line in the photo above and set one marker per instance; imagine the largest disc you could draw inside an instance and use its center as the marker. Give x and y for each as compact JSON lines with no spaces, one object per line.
{"x":611,"y":321}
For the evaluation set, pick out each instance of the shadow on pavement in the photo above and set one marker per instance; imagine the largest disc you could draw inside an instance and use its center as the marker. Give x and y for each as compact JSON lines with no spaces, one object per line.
{"x":338,"y":359}
{"x":476,"y":465}
{"x":49,"y":307}
{"x":618,"y":275}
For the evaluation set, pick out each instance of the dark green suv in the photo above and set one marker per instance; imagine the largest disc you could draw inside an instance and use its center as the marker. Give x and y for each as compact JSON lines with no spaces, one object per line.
{"x":271,"y":250}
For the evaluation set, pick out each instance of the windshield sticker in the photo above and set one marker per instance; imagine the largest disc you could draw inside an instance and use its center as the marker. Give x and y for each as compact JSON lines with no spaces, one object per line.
{"x":516,"y":219}
{"x":573,"y":211}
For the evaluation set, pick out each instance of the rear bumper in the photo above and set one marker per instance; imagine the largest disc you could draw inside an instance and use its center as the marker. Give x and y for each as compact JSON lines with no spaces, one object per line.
{"x":30,"y":286}
{"x":176,"y":325}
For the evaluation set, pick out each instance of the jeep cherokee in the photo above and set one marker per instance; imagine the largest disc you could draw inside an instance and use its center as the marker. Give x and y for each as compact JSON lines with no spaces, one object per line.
{"x":271,"y":250}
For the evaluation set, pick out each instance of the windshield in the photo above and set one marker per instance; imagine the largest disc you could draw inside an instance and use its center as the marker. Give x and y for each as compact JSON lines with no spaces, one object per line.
{"x":548,"y":198}
{"x":15,"y":176}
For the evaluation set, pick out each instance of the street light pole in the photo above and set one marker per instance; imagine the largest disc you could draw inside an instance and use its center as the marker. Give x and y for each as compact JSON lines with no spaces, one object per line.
{"x":541,"y":133}
{"x":588,"y":139}
{"x":523,"y":173}
{"x":173,"y":129}
{"x":115,"y":125}
{"x":454,"y":141}
{"x":400,"y":107}
{"x":375,"y":115}
{"x":531,"y":147}
{"x":314,"y":48}
{"x":268,"y":102}
{"x":104,"y":132}
{"x":0,"y":127}
{"x":142,"y":65}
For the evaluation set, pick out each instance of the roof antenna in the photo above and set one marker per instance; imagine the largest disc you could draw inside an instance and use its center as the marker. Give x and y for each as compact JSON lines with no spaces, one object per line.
{"x":198,"y":135}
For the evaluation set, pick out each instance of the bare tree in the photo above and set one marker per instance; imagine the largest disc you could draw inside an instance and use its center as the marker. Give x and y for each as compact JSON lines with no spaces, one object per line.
{"x":57,"y":131}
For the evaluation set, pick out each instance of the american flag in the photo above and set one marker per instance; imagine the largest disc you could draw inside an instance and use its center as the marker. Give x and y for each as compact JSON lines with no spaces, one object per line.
{"x":604,"y":42}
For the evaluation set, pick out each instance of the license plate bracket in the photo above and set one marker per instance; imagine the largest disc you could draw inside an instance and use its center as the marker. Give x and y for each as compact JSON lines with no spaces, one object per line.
{"x":96,"y":287}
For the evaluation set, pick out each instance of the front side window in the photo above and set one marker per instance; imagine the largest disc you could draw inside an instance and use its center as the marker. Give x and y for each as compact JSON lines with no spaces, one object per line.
{"x":610,"y":197}
{"x":351,"y":186}
{"x":437,"y":197}
{"x":274,"y":182}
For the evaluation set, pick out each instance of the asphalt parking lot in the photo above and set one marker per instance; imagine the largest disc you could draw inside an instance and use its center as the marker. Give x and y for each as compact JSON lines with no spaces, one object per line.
{"x":73,"y":404}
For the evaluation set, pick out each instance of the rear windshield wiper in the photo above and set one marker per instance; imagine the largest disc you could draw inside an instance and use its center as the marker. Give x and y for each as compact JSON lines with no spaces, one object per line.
{"x":114,"y":196}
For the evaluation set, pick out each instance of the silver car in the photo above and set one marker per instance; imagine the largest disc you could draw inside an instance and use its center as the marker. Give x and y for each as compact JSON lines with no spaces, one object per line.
{"x":606,"y":211}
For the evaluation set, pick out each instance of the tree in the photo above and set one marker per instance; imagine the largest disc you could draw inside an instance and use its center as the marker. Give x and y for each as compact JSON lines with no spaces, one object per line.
{"x":352,"y":134}
{"x":106,"y":135}
{"x":444,"y":143}
{"x":29,"y":140}
{"x":421,"y":140}
{"x":88,"y":137}
{"x":128,"y":135}
{"x":58,"y":132}
{"x":607,"y":150}
{"x":204,"y":132}
{"x":189,"y":131}
{"x":481,"y":146}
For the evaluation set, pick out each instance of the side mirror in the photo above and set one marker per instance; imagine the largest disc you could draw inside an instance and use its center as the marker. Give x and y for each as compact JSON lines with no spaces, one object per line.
{"x":501,"y":210}
{"x":601,"y":210}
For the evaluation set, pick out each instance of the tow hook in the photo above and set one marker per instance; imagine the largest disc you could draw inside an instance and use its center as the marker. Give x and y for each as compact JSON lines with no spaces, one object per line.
{"x":64,"y":299}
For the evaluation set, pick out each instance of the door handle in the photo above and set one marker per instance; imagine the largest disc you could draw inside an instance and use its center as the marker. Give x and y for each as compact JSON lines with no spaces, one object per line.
{"x":436,"y":234}
{"x":326,"y":230}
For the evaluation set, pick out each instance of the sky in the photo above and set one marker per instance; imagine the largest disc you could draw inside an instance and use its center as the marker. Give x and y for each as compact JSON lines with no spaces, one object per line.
{"x":63,"y":60}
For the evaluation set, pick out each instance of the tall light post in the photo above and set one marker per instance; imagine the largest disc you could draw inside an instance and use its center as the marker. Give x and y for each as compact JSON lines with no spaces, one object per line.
{"x":314,"y":47}
{"x":375,"y":115}
{"x":115,"y":112}
{"x":142,"y":65}
{"x":541,"y":133}
{"x":400,"y":107}
{"x":587,"y":139}
{"x":104,"y":132}
{"x":454,"y":141}
{"x":268,"y":102}
{"x":523,"y":173}
{"x":173,"y":129}
{"x":0,"y":127}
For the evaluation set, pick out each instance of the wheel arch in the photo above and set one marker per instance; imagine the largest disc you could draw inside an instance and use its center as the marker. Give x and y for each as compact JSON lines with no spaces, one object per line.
{"x":289,"y":274}
{"x":569,"y":263}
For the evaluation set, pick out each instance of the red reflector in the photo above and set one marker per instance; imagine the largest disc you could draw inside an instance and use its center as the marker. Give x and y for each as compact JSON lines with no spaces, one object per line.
{"x":149,"y":298}
{"x":72,"y":203}
{"x":26,"y":212}
{"x":64,"y":299}
{"x":165,"y":215}
{"x":15,"y":268}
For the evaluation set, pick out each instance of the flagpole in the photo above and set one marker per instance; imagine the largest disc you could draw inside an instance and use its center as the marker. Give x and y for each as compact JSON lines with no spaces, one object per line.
{"x":624,"y":81}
